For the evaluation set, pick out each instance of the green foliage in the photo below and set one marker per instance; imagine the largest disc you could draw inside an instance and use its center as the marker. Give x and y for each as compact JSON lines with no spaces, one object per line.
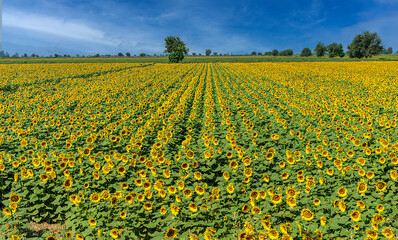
{"x":320,"y":49}
{"x":306,"y":52}
{"x":287,"y":52}
{"x":365,"y":45}
{"x":208,"y":52}
{"x":176,"y":47}
{"x":275,"y":52}
{"x":176,"y":57}
{"x":335,"y":50}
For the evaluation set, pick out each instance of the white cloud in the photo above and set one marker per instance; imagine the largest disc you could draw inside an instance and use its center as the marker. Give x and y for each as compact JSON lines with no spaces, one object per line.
{"x":54,"y":26}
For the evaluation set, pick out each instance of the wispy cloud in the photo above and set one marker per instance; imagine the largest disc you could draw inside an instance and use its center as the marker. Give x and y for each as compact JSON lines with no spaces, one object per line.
{"x":60,"y":27}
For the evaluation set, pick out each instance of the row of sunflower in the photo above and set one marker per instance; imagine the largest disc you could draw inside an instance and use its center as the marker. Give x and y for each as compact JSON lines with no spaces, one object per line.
{"x":213,"y":151}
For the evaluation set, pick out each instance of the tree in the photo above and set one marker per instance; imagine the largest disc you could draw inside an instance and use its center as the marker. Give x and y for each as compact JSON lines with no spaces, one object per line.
{"x":142,"y":55}
{"x":365,"y":45}
{"x":120,"y":54}
{"x":128,"y":54}
{"x":335,"y":50}
{"x":389,"y":50}
{"x":287,"y":52}
{"x":193,"y":54}
{"x":254,"y":53}
{"x":208,"y":52}
{"x":176,"y":47}
{"x":269,"y":53}
{"x":320,"y":49}
{"x":259,"y":53}
{"x":306,"y":52}
{"x":215,"y":53}
{"x":275,"y":52}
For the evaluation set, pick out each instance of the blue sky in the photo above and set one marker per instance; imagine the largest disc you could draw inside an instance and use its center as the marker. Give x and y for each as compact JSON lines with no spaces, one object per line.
{"x":227,"y":26}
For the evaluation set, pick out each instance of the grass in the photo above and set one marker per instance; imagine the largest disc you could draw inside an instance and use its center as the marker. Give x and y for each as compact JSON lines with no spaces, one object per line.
{"x":193,"y":59}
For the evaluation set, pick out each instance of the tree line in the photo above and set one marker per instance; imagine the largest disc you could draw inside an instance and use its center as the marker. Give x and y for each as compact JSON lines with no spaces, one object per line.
{"x":364,"y":45}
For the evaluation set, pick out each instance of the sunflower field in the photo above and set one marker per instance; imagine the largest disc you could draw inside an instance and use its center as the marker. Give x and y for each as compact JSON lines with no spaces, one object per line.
{"x":200,"y":151}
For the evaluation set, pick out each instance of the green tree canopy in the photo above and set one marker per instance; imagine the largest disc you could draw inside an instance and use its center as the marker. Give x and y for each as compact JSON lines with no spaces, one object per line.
{"x":306,"y":52}
{"x":320,"y":49}
{"x":335,"y":50}
{"x":176,"y":48}
{"x":208,"y":52}
{"x":365,"y":45}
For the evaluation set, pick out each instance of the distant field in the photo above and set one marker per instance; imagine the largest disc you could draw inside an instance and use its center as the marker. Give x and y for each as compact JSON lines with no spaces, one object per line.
{"x":191,"y":59}
{"x":304,"y":150}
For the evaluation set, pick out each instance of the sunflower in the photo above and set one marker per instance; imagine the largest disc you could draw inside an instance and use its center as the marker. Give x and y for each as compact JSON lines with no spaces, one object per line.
{"x":284,"y":175}
{"x":197,"y":175}
{"x":92,"y":222}
{"x":129,"y":199}
{"x":394,"y":175}
{"x":377,"y":218}
{"x":370,"y":175}
{"x":163,"y":210}
{"x":355,"y":216}
{"x":248,"y":172}
{"x":362,"y":187}
{"x":193,"y":207}
{"x":7,"y":212}
{"x":79,"y":237}
{"x":190,"y":154}
{"x":307,"y":215}
{"x":121,"y":170}
{"x":246,"y":160}
{"x":105,"y":194}
{"x":256,"y":210}
{"x":68,"y":183}
{"x":342,"y":192}
{"x":199,"y":190}
{"x":388,"y":233}
{"x":14,"y":198}
{"x":185,"y":166}
{"x":171,"y":233}
{"x":114,"y":233}
{"x":350,"y":153}
{"x":245,"y":208}
{"x":230,"y":188}
{"x":361,"y":204}
{"x":342,"y":206}
{"x":381,"y":186}
{"x":329,"y":172}
{"x":233,"y":164}
{"x":276,"y":199}
{"x":270,"y":156}
{"x":317,"y":202}
{"x":372,"y":234}
{"x":95,"y":197}
{"x":323,"y":221}
{"x":123,"y":215}
{"x":273,"y":234}
{"x":174,"y":209}
{"x":147,"y":206}
{"x":380,"y":208}
{"x":68,"y":235}
{"x":44,"y":178}
{"x":291,"y":201}
{"x":114,"y":201}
